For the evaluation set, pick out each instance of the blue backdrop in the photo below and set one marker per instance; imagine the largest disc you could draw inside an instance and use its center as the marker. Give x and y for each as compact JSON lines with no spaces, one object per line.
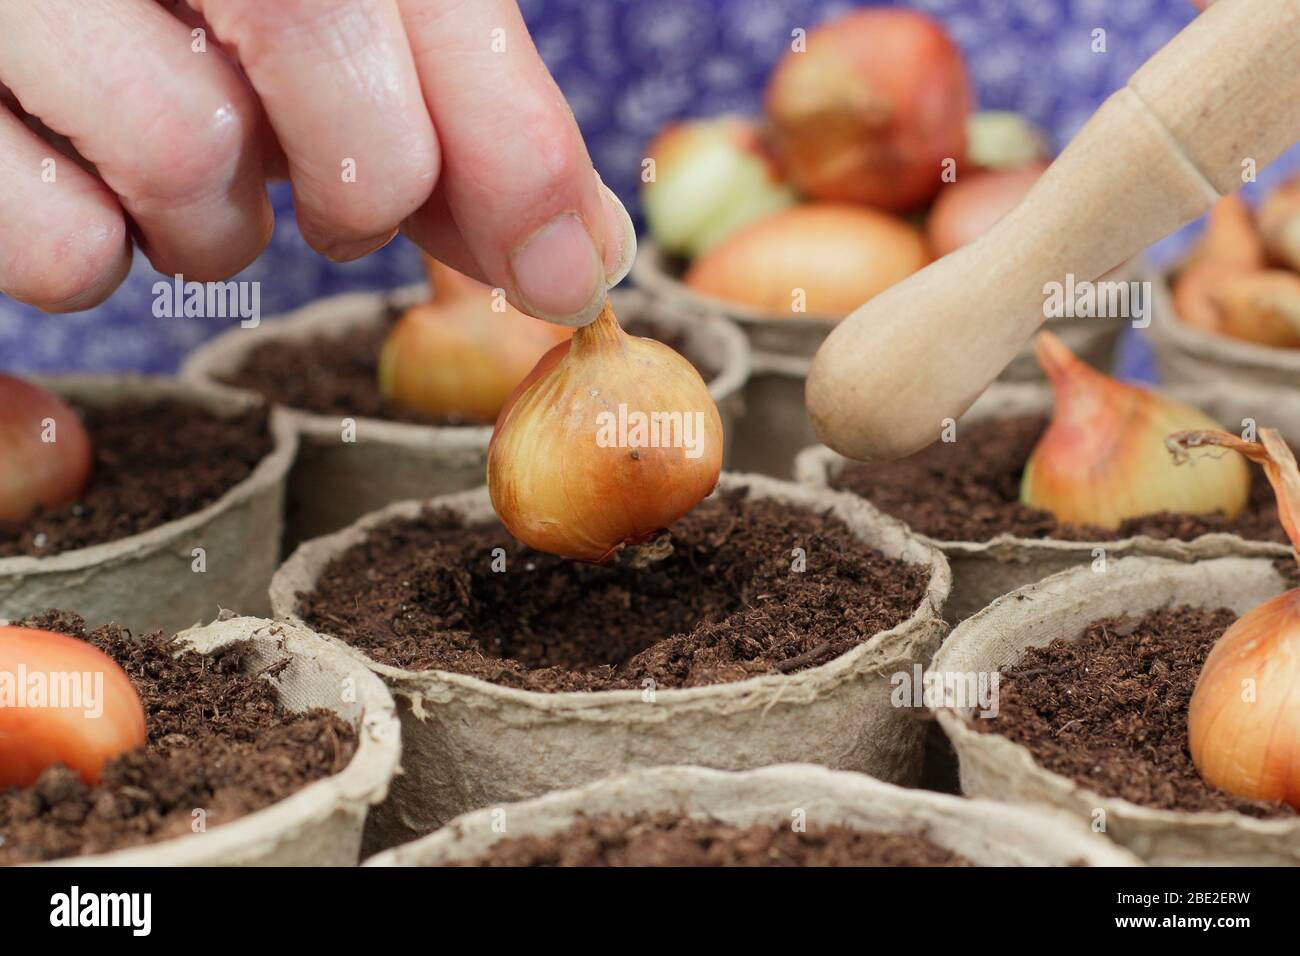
{"x":628,"y":66}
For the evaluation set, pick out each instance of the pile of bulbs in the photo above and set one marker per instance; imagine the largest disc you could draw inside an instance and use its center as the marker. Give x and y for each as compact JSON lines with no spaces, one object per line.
{"x":1242,"y":280}
{"x":867,"y":126}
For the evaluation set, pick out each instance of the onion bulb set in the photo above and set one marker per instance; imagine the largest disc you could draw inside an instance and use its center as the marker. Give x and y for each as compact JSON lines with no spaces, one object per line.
{"x":459,"y":356}
{"x":814,"y":208}
{"x":1243,"y":721}
{"x":62,"y":701}
{"x":1102,"y":459}
{"x":45,"y":453}
{"x":1242,"y":279}
{"x":608,"y":441}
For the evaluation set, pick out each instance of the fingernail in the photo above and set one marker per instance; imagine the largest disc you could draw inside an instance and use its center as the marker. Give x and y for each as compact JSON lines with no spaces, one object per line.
{"x":620,"y":237}
{"x":356,"y":248}
{"x":558,"y":273}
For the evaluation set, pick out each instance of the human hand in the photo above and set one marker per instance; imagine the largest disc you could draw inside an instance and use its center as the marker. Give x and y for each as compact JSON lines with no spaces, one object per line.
{"x":119,"y":118}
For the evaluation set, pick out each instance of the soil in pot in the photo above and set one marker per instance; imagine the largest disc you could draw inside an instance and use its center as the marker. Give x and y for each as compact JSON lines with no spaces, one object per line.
{"x":668,"y":839}
{"x":727,"y":604}
{"x":969,"y":490}
{"x":218,"y":740}
{"x":344,"y":377}
{"x":1109,"y":710}
{"x":155,"y":462}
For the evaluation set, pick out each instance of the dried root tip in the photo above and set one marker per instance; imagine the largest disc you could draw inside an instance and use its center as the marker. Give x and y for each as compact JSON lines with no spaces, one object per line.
{"x":1270,"y":452}
{"x":638,"y":557}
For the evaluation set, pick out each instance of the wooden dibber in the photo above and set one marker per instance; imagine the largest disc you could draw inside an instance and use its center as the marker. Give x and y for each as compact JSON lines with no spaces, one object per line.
{"x":1222,"y":95}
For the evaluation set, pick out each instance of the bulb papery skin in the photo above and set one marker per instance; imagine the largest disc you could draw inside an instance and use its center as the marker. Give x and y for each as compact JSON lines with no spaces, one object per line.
{"x":577,"y":467}
{"x":1261,"y":307}
{"x":1243,"y":724}
{"x":87,"y":711}
{"x":45,"y":453}
{"x":871,"y":109}
{"x":711,"y":178}
{"x":1103,"y":458}
{"x":821,"y":259}
{"x":1230,"y":237}
{"x":461,"y":355}
{"x":1279,"y":221}
{"x":973,"y":204}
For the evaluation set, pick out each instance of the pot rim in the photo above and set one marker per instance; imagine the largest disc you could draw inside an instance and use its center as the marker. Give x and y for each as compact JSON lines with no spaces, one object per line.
{"x":301,"y":569}
{"x":1208,"y":346}
{"x":1075,"y":583}
{"x":351,"y":310}
{"x":273,"y":467}
{"x":376,"y":758}
{"x":759,"y":791}
{"x":816,"y":464}
{"x":650,"y":272}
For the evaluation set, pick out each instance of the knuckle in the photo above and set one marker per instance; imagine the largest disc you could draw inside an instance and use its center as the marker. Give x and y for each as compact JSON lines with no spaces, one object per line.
{"x":183,"y":154}
{"x":67,"y":267}
{"x":375,"y":203}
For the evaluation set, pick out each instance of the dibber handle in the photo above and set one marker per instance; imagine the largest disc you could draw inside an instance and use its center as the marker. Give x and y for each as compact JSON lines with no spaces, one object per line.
{"x":1222,"y":96}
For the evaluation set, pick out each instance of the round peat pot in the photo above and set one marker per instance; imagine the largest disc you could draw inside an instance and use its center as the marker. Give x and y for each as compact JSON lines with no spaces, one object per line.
{"x":1092,"y":339}
{"x":774,"y":426}
{"x":1188,"y":356}
{"x":180,"y":572}
{"x":350,"y":466}
{"x":1062,"y":608}
{"x":984,"y":570}
{"x":978,"y":831}
{"x":470,"y":743}
{"x":320,"y":824}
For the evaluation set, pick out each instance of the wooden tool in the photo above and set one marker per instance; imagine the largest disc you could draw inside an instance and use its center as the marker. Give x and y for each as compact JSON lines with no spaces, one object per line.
{"x":1219,"y":99}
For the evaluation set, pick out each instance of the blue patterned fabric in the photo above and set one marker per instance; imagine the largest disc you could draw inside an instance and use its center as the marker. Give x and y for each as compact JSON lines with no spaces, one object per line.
{"x":627,"y":67}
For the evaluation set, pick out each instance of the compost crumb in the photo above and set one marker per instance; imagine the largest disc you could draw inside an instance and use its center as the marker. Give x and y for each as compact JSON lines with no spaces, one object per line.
{"x":725,"y":605}
{"x":218,"y":740}
{"x":344,"y":379}
{"x":1109,"y":710}
{"x":668,"y":839}
{"x":154,"y":462}
{"x":969,"y":490}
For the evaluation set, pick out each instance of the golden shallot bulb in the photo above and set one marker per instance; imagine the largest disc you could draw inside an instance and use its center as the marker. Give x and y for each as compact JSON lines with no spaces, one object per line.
{"x":66,"y":702}
{"x":870,"y":111}
{"x":1243,"y":723}
{"x":462,"y":354}
{"x":45,"y":453}
{"x":823,"y":259}
{"x":1279,"y":221}
{"x":1102,"y":459}
{"x":609,"y":440}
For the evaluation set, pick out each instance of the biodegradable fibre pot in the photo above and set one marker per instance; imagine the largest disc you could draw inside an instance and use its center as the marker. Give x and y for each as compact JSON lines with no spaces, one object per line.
{"x":986,"y":833}
{"x":1188,"y":356}
{"x":775,"y":424}
{"x":321,"y":824}
{"x":1092,"y":339}
{"x":984,"y":570}
{"x":469,"y":743}
{"x":1063,"y":607}
{"x":335,"y":481}
{"x":155,"y":580}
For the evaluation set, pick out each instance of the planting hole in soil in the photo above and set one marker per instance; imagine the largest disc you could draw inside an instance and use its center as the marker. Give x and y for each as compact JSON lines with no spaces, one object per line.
{"x":667,"y":839}
{"x":219,"y":746}
{"x":724,"y":606}
{"x":154,"y":462}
